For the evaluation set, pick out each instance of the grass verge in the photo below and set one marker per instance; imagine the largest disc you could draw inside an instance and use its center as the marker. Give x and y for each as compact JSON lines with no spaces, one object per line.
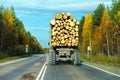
{"x":9,"y":58}
{"x":103,"y":59}
{"x":13,"y":58}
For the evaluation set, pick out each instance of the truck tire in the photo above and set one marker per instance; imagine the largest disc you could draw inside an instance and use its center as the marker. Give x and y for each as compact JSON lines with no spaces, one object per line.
{"x":77,"y":59}
{"x":52,"y":58}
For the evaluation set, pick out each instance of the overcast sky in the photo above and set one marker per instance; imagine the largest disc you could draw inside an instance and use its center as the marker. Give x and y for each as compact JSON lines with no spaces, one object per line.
{"x":36,"y":14}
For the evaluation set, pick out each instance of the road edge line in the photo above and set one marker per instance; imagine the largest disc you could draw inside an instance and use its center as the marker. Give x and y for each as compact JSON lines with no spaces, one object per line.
{"x":43,"y":73}
{"x":101,"y":69}
{"x":42,"y":70}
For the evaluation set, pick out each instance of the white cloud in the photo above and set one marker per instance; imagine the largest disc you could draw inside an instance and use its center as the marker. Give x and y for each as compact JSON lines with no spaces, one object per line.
{"x":55,"y":4}
{"x":38,"y":28}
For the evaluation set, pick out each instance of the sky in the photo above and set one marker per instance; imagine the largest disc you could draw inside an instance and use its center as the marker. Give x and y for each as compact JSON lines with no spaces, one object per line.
{"x":36,"y":14}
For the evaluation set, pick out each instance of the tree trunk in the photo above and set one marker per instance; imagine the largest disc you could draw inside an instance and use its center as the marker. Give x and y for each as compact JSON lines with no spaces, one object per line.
{"x":2,"y":36}
{"x":112,"y":46}
{"x":107,"y":37}
{"x":118,"y":47}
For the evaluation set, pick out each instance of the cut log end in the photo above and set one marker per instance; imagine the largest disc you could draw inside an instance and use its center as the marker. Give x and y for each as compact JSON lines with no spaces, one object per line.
{"x":58,"y":16}
{"x":52,"y":22}
{"x":64,"y":31}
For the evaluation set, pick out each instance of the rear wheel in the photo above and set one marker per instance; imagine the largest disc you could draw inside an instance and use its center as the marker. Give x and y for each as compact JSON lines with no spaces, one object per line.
{"x":77,"y":58}
{"x":52,"y":58}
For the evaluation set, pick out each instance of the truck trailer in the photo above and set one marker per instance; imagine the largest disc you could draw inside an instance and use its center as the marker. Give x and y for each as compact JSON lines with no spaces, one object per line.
{"x":64,"y":39}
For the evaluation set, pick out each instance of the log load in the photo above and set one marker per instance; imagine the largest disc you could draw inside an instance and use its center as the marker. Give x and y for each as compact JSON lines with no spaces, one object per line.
{"x":64,"y":30}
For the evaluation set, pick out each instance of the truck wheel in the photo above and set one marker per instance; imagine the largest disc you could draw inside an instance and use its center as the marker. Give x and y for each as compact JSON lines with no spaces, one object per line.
{"x":52,"y":57}
{"x":77,"y":58}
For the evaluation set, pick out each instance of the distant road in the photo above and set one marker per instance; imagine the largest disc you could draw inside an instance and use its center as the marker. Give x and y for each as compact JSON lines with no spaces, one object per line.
{"x":26,"y":69}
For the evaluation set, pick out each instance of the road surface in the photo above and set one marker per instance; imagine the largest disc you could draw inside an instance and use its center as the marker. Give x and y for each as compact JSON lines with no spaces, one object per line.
{"x":67,"y":71}
{"x":26,"y":69}
{"x":29,"y":69}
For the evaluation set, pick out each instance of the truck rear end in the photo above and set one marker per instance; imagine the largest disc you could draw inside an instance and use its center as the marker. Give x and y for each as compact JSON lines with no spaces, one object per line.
{"x":64,"y":39}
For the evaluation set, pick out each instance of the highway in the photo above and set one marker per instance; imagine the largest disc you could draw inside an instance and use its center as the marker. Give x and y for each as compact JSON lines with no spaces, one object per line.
{"x":30,"y":68}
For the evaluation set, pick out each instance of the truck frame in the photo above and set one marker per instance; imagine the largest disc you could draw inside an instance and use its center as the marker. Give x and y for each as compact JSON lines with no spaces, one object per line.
{"x":64,"y":54}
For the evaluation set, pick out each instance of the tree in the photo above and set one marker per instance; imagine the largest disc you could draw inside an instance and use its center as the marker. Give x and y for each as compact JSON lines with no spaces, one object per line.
{"x":13,"y":36}
{"x":2,"y":28}
{"x":97,"y":15}
{"x":96,"y":40}
{"x":87,"y":31}
{"x":114,"y":8}
{"x":80,"y":31}
{"x":9,"y":19}
{"x":117,"y":31}
{"x":104,"y":29}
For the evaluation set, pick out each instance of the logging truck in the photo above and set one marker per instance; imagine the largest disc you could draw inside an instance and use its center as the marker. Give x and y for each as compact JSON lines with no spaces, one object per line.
{"x":64,"y":39}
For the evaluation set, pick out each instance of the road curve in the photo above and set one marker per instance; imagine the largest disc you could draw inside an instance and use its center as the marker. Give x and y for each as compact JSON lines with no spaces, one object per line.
{"x":26,"y":69}
{"x":67,"y":71}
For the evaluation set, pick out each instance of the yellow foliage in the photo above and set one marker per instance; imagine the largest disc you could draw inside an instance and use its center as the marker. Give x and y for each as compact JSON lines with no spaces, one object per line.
{"x":105,"y":23}
{"x":9,"y":18}
{"x":87,"y":28}
{"x":96,"y":38}
{"x":100,"y":32}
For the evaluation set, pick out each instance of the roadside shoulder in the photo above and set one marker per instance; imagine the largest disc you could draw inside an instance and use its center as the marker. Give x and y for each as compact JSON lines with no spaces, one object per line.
{"x":11,"y":61}
{"x":112,"y":69}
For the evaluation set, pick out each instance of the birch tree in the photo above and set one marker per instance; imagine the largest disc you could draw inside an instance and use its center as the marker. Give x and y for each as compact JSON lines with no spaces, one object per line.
{"x":87,"y":31}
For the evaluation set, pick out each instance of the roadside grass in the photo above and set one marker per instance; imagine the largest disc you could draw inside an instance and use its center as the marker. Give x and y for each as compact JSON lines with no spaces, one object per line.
{"x":13,"y":58}
{"x":102,"y":59}
{"x":9,"y":58}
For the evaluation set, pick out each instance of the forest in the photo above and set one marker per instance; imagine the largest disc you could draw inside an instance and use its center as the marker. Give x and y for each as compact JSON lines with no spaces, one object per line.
{"x":14,"y":37}
{"x":101,"y":31}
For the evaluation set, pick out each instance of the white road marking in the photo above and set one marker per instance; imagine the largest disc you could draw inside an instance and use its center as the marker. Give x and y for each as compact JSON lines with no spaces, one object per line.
{"x":42,"y":70}
{"x":102,"y":70}
{"x":43,"y":73}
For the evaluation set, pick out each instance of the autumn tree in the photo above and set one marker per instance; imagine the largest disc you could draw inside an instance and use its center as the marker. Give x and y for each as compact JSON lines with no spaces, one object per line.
{"x":117,"y":32}
{"x":104,"y":29}
{"x":14,"y":37}
{"x":87,"y":31}
{"x":9,"y":19}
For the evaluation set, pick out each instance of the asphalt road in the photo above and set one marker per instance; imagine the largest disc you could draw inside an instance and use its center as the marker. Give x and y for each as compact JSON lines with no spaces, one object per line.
{"x":26,"y":69}
{"x":29,"y":69}
{"x":67,"y":71}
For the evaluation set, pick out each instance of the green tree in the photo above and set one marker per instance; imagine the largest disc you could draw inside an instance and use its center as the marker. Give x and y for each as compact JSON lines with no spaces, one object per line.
{"x":2,"y":28}
{"x":97,"y":16}
{"x":80,"y":32}
{"x":114,"y":8}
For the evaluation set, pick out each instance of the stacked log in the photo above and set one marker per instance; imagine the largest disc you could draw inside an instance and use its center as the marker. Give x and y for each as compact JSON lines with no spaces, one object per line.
{"x":64,"y":30}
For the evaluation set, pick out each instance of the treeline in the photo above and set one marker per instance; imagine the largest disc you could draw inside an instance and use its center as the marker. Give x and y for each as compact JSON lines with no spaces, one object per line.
{"x":14,"y":37}
{"x":101,"y":30}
